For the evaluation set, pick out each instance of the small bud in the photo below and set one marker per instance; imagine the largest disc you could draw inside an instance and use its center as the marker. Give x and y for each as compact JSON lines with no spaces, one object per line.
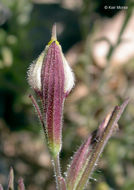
{"x":21,"y":184}
{"x":11,"y":180}
{"x":51,"y":77}
{"x":1,"y":188}
{"x":78,"y":163}
{"x":62,"y":183}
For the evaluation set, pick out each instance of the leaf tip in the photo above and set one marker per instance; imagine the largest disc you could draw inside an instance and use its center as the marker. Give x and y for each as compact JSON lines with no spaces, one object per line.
{"x":11,"y":179}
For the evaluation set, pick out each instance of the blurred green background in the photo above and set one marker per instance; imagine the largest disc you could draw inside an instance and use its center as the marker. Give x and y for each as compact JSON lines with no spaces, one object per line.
{"x":97,"y":38}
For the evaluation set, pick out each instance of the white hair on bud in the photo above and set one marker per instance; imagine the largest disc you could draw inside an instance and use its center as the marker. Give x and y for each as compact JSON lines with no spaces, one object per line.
{"x":69,"y":76}
{"x":34,"y":73}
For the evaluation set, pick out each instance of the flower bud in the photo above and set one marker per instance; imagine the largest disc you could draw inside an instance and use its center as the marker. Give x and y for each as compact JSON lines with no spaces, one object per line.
{"x":21,"y":184}
{"x":35,"y":69}
{"x":51,"y":77}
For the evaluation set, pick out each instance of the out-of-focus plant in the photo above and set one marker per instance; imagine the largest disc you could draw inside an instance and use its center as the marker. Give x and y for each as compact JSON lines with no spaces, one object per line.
{"x":13,"y":32}
{"x":11,"y":182}
{"x":52,"y":79}
{"x":128,"y":15}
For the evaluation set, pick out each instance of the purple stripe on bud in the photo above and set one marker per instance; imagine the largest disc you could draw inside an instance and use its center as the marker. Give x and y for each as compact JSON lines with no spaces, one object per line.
{"x":52,"y":80}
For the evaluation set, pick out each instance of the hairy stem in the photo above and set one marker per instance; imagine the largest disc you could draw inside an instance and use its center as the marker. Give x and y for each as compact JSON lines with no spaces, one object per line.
{"x":57,"y":171}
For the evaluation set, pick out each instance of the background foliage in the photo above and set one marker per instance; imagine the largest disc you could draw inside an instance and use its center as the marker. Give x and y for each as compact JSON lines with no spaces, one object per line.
{"x":99,"y":44}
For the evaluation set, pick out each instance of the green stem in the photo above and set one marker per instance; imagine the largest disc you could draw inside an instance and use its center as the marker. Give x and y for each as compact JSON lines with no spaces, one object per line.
{"x":57,"y":171}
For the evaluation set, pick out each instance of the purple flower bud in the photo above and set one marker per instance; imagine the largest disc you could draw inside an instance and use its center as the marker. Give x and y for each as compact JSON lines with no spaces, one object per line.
{"x":51,"y":78}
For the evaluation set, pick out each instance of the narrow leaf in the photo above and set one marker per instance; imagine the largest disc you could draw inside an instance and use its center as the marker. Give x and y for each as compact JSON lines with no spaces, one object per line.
{"x":11,"y":180}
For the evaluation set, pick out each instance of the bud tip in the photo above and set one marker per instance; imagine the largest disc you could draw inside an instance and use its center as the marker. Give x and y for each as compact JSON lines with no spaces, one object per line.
{"x":54,"y":33}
